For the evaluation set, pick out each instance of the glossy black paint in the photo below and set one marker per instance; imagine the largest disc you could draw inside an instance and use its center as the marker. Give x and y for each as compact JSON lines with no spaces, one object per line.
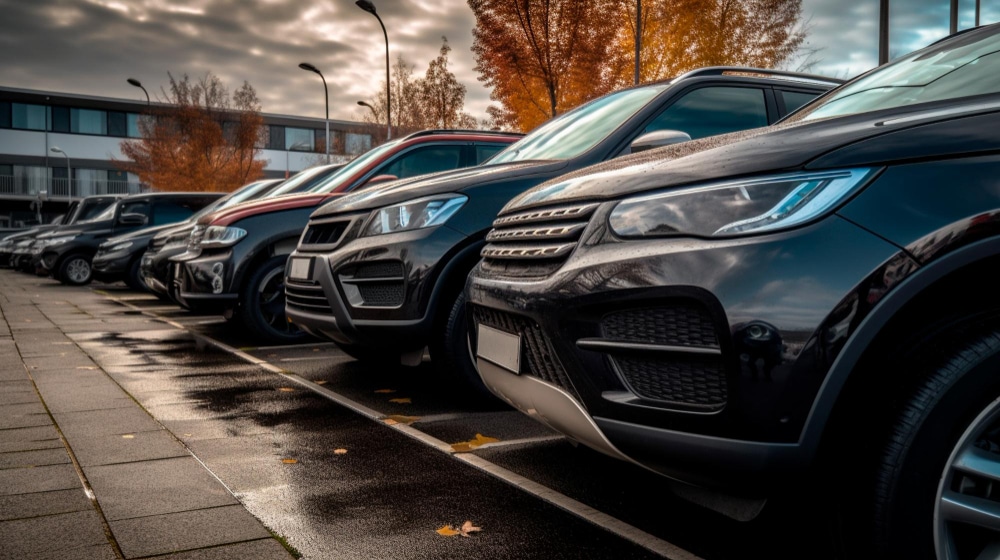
{"x":433,"y":275}
{"x":78,"y":210}
{"x":112,"y":266}
{"x":824,"y":290}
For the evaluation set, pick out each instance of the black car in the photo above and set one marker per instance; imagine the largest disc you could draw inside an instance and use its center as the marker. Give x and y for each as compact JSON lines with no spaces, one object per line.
{"x":66,"y":252}
{"x":118,"y":258}
{"x":381,"y":272}
{"x":810,"y":309}
{"x":17,"y":254}
{"x":155,"y":267}
{"x":236,"y":258}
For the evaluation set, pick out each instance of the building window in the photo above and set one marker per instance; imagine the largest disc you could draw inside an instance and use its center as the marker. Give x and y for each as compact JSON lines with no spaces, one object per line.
{"x":60,"y":119}
{"x":88,"y":121}
{"x":4,"y":114}
{"x":320,"y":140}
{"x":28,"y":117}
{"x":276,"y":138}
{"x":132,"y":122}
{"x":117,"y":125}
{"x":357,"y":143}
{"x":299,"y":139}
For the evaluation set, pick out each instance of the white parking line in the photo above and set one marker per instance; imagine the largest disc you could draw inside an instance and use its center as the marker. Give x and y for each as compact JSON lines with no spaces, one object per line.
{"x":570,"y":505}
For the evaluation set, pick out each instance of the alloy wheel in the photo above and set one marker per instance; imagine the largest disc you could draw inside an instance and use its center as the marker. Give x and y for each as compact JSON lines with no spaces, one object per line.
{"x":78,"y":270}
{"x":271,"y":302}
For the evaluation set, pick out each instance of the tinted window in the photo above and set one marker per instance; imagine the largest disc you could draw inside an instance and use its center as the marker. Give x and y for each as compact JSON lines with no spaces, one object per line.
{"x":91,"y":208}
{"x":276,"y":138}
{"x":795,"y":99}
{"x":170,"y":211}
{"x":60,"y":119}
{"x":420,"y":161}
{"x":713,"y":110}
{"x":486,"y":151}
{"x":88,"y":121}
{"x":299,"y":139}
{"x":4,"y":114}
{"x":29,"y":117}
{"x":117,"y":124}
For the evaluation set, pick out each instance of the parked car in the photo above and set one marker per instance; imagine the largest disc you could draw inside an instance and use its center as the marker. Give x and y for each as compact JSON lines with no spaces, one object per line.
{"x":66,"y":252}
{"x":381,"y":272}
{"x":118,"y":258}
{"x":236,"y":257}
{"x":155,"y":268}
{"x":20,"y":243}
{"x":9,"y":241}
{"x":811,"y":306}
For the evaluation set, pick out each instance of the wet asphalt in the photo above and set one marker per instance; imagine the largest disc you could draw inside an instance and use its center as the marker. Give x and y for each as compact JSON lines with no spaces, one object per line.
{"x":338,"y":484}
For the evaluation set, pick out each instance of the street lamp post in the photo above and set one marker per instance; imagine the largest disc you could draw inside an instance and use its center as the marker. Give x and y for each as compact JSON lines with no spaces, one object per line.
{"x":326,"y":93}
{"x":367,"y":6}
{"x":138,"y":84}
{"x":369,"y":105}
{"x":638,"y":38}
{"x":69,"y":170}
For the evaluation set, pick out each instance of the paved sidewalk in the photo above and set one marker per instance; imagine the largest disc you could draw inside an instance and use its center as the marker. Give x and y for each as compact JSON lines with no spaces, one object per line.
{"x":85,"y":472}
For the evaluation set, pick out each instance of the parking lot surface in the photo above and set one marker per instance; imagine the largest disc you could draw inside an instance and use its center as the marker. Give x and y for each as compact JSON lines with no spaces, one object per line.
{"x":151,"y":431}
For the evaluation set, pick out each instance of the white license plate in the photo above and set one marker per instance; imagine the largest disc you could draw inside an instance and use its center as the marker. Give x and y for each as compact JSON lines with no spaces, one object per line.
{"x":300,"y":269}
{"x":499,"y":347}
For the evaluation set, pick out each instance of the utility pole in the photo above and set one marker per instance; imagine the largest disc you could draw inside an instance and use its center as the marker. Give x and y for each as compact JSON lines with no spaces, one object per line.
{"x":638,"y":38}
{"x":883,"y":32}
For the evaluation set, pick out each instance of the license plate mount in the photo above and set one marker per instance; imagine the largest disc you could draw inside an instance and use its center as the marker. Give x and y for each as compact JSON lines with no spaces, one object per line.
{"x":499,"y":347}
{"x":300,"y":269}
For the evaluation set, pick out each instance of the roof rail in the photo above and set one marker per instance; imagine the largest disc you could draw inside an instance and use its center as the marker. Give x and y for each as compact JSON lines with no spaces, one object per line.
{"x":765,"y":72}
{"x":431,"y":131}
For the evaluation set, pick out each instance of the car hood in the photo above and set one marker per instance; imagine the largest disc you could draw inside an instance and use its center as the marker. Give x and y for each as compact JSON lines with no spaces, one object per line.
{"x":20,"y":235}
{"x":932,"y":130}
{"x":185,"y":226}
{"x":96,"y":228}
{"x":428,"y":185}
{"x":145,"y":233}
{"x":244,"y":210}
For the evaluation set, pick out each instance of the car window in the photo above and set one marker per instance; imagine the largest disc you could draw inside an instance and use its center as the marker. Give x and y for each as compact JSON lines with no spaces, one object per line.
{"x":795,"y":99}
{"x":486,"y":151}
{"x":423,"y":160}
{"x":169,"y":211}
{"x":963,"y":67}
{"x":135,"y":207}
{"x":713,"y":110}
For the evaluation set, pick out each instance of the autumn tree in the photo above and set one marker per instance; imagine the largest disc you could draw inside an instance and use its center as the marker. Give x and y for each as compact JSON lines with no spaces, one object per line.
{"x":543,"y":57}
{"x":200,"y":138}
{"x":441,"y":95}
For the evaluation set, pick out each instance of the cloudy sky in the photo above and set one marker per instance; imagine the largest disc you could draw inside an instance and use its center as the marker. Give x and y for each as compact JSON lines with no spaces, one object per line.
{"x":91,"y":46}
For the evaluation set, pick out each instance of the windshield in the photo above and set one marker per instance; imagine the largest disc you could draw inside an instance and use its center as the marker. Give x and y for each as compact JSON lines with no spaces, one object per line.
{"x":90,"y":210}
{"x":298,"y":180}
{"x":336,"y":180}
{"x":962,"y":67}
{"x":107,"y":214}
{"x":579,"y":130}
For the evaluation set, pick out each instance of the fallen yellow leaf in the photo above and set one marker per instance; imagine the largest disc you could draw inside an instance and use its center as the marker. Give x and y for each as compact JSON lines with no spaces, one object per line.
{"x":466,"y":446}
{"x":447,"y":531}
{"x":128,"y":436}
{"x":401,"y":401}
{"x":286,"y":389}
{"x":401,"y":419}
{"x":289,"y":461}
{"x":390,"y":422}
{"x":321,"y":382}
{"x":340,"y":451}
{"x":315,"y":349}
{"x":467,"y":528}
{"x":385,"y":390}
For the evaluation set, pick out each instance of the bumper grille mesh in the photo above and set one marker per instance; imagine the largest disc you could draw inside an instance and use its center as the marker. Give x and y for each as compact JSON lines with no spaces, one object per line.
{"x":541,"y":358}
{"x":307,"y":298}
{"x":382,"y":294}
{"x":687,"y":382}
{"x":681,"y":324}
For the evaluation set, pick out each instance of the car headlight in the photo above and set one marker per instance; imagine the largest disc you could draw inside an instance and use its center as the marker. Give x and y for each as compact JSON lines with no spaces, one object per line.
{"x":221,"y":236}
{"x":124,"y":245}
{"x":6,"y":243}
{"x":53,"y":241}
{"x":415,"y":214}
{"x":741,"y":207}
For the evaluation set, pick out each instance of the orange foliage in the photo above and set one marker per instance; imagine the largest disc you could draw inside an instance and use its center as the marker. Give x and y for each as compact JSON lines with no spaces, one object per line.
{"x":202,"y":141}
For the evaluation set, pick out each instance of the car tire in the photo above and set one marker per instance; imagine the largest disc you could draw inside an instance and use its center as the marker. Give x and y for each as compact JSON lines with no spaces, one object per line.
{"x":452,"y":356}
{"x":75,"y":270}
{"x":261,"y":309}
{"x":951,"y":415}
{"x":133,"y":279}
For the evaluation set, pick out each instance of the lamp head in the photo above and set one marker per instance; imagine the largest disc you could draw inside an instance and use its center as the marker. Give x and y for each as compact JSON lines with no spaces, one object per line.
{"x":309,"y":67}
{"x":56,"y":149}
{"x":134,"y":82}
{"x":367,"y":6}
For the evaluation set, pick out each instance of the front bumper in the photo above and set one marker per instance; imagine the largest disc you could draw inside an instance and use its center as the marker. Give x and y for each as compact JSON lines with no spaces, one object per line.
{"x":200,"y":281}
{"x":110,"y":267}
{"x":643,"y":349}
{"x":373,"y":291}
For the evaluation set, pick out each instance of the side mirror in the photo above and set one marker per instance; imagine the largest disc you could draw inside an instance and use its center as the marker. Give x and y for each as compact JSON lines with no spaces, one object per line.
{"x":380,"y":179}
{"x":132,"y":220}
{"x":658,"y":139}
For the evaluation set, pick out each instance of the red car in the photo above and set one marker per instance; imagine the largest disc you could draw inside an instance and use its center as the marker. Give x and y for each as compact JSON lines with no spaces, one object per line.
{"x":236,"y":257}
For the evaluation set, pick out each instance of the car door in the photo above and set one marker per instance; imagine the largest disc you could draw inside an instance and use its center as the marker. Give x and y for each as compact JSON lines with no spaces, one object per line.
{"x":423,"y":160}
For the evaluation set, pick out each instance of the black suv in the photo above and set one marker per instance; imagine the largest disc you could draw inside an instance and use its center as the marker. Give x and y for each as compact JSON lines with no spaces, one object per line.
{"x":389,"y":281}
{"x":814,"y":299}
{"x":66,"y":252}
{"x":15,"y":249}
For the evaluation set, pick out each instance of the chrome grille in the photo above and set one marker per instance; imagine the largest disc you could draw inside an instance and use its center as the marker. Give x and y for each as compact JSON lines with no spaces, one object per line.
{"x":535,"y":243}
{"x":323,"y":235}
{"x":307,"y":297}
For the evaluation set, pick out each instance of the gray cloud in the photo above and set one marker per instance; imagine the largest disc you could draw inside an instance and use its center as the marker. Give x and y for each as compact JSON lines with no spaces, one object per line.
{"x":91,"y":46}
